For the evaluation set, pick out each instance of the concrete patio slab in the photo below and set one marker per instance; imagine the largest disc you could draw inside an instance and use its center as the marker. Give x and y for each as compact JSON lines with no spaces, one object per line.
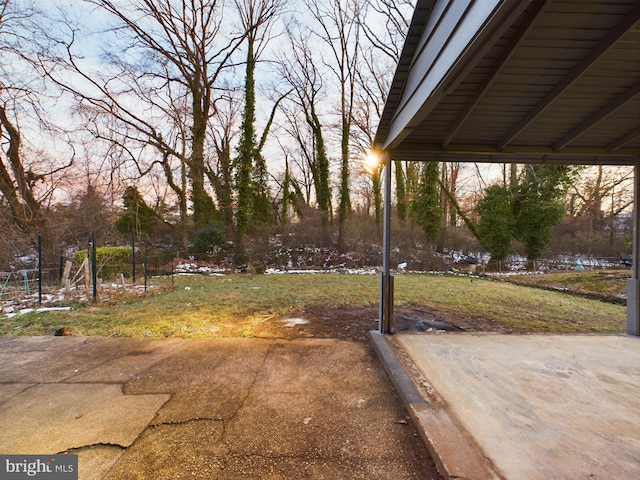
{"x":534,"y":406}
{"x":210,"y":408}
{"x":59,"y":417}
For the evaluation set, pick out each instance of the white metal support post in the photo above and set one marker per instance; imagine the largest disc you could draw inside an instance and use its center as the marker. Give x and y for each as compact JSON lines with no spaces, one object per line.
{"x":633,"y":283}
{"x":385,"y":319}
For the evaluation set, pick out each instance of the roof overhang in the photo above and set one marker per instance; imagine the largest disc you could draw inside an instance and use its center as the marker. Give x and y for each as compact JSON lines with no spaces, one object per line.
{"x":524,"y":81}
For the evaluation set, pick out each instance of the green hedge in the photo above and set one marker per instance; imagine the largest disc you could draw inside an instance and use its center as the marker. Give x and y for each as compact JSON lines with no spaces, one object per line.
{"x":111,"y":261}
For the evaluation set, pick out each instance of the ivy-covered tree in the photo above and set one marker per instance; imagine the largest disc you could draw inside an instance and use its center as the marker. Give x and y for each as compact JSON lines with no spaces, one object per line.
{"x":374,"y":168}
{"x":527,"y":210}
{"x":320,"y":168}
{"x":244,"y":164}
{"x":534,"y":224}
{"x":401,"y":191}
{"x":495,"y":228}
{"x":538,"y":205}
{"x":425,"y":207}
{"x":253,"y":202}
{"x":286,"y":193}
{"x":220,"y":167}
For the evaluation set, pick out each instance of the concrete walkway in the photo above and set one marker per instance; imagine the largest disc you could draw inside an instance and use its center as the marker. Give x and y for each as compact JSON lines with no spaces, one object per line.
{"x":205,"y":409}
{"x":522,"y":407}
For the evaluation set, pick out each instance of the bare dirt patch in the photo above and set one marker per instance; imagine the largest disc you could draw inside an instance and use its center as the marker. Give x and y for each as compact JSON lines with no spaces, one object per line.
{"x":354,"y":323}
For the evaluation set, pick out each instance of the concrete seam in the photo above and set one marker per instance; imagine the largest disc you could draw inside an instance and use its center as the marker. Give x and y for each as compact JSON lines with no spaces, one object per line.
{"x":250,"y":388}
{"x":414,"y":400}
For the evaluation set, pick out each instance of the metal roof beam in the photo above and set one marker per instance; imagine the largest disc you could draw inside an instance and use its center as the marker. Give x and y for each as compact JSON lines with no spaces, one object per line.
{"x":623,"y":140}
{"x":487,"y":38}
{"x":578,"y":155}
{"x":575,"y":73}
{"x":626,"y":96}
{"x":495,"y":71}
{"x":421,"y":156}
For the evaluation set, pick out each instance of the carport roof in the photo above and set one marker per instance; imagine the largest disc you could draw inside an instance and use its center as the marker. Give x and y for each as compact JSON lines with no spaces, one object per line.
{"x":517,"y":81}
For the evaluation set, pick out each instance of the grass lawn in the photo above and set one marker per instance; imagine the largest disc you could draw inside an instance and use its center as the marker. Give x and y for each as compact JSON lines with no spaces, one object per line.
{"x":522,"y":308}
{"x":240,"y":305}
{"x":601,"y":282}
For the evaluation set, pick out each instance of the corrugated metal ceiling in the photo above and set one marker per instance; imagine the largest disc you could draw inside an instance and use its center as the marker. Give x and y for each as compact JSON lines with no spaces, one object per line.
{"x":554,"y":80}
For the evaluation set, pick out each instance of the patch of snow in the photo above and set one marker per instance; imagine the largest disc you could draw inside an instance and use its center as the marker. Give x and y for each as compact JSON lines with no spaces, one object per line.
{"x":24,"y":311}
{"x":192,"y":268}
{"x":292,"y":322}
{"x":341,"y":270}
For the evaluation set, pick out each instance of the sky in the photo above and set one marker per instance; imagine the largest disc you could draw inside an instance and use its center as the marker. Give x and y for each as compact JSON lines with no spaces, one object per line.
{"x":91,"y":41}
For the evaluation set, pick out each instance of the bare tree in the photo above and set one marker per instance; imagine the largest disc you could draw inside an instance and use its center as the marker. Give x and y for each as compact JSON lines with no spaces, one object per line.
{"x":300,"y":69}
{"x":28,"y":172}
{"x":340,"y":30}
{"x":164,"y":64}
{"x":384,"y":24}
{"x":601,"y":194}
{"x":301,"y":153}
{"x":219,"y":167}
{"x":387,"y":26}
{"x":449,"y":180}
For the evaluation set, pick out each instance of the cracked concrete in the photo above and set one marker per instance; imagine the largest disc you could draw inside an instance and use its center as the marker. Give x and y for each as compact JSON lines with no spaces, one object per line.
{"x":61,"y":416}
{"x":201,"y":409}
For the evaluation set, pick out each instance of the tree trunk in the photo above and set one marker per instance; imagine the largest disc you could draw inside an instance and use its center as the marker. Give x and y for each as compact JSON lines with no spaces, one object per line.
{"x":17,"y":191}
{"x":323,"y":189}
{"x":203,"y":207}
{"x":246,"y":154}
{"x":345,"y":200}
{"x":401,"y":191}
